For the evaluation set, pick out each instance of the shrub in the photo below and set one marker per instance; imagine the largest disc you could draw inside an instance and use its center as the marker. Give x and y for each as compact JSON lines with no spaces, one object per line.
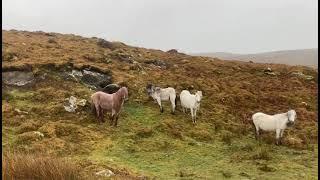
{"x":144,"y":132}
{"x":9,"y":56}
{"x":262,"y":154}
{"x":267,"y":168}
{"x":105,"y":44}
{"x":226,"y":137}
{"x":172,"y":51}
{"x":201,"y":135}
{"x":52,"y":41}
{"x":31,"y":166}
{"x":226,"y":174}
{"x":27,"y":126}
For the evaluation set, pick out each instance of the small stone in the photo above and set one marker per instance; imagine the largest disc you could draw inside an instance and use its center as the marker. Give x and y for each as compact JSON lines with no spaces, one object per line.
{"x":38,"y":133}
{"x":72,"y":106}
{"x":19,"y":111}
{"x":106,"y":173}
{"x":300,"y":74}
{"x":82,"y":102}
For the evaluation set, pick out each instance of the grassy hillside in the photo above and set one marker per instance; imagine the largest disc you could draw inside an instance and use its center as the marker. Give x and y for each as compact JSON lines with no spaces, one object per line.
{"x":148,"y":144}
{"x":306,"y":57}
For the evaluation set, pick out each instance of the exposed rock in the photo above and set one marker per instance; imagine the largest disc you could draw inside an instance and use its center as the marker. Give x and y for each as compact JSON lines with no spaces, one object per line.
{"x":18,"y":78}
{"x":300,"y":74}
{"x":269,"y":71}
{"x":172,"y":51}
{"x":158,"y":63}
{"x":82,"y":102}
{"x":95,"y":79}
{"x":105,"y":44}
{"x":76,"y":74}
{"x":105,"y":173}
{"x":20,"y":112}
{"x":72,"y":106}
{"x":39,"y":133}
{"x":124,"y":57}
{"x":111,"y":88}
{"x":136,"y":66}
{"x":91,"y":78}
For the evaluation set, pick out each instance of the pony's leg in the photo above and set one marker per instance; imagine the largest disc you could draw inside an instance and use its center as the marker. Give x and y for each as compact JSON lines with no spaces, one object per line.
{"x":116,"y":120}
{"x":159,"y":102}
{"x":278,"y":136}
{"x":98,"y":112}
{"x":281,"y":135}
{"x":173,"y":105}
{"x":113,"y":114}
{"x":191,"y":109}
{"x":195,"y":115}
{"x":257,"y":133}
{"x":101,"y":115}
{"x":111,"y":119}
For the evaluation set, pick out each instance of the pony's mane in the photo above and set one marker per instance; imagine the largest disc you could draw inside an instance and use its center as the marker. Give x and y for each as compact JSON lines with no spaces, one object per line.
{"x":122,"y":91}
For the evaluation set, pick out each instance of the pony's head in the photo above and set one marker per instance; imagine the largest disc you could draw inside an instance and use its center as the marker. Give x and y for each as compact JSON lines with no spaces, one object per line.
{"x":292,"y":115}
{"x":124,"y":93}
{"x":198,"y":96}
{"x":150,"y":89}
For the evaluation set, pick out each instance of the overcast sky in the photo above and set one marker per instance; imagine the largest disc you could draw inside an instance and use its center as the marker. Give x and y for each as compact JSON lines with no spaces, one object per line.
{"x":238,"y":26}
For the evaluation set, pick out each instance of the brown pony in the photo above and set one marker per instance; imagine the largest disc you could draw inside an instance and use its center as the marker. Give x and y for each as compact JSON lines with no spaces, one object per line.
{"x":111,"y":103}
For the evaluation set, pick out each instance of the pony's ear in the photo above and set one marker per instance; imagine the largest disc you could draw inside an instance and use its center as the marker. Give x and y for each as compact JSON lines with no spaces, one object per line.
{"x":290,"y":112}
{"x":149,"y":86}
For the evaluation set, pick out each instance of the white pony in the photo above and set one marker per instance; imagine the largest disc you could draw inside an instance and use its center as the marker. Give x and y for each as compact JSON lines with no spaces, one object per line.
{"x":162,"y":94}
{"x":191,"y":101}
{"x":277,"y":122}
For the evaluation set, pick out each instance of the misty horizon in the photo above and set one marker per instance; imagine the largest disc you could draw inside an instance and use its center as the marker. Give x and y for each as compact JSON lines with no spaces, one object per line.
{"x":246,"y":27}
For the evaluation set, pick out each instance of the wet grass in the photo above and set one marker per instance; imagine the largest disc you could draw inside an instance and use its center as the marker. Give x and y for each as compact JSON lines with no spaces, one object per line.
{"x":166,"y":158}
{"x":220,"y":146}
{"x":154,"y":144}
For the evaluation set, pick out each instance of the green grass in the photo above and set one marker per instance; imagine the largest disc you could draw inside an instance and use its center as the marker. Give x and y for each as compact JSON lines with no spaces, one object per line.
{"x":161,"y":156}
{"x":220,"y":146}
{"x":169,"y":146}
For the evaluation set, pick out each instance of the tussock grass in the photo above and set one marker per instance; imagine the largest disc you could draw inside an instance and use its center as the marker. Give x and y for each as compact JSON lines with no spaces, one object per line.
{"x":221,"y":144}
{"x":31,"y":166}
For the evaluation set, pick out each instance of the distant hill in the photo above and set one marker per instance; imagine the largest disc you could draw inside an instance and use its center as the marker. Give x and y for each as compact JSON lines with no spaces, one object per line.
{"x":305,"y":57}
